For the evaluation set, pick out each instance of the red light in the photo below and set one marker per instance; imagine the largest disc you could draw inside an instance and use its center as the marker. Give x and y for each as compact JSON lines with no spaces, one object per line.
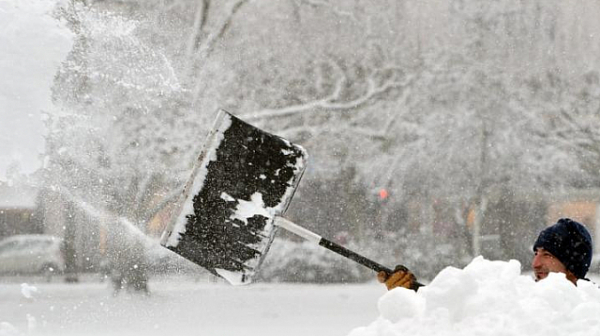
{"x":383,"y":194}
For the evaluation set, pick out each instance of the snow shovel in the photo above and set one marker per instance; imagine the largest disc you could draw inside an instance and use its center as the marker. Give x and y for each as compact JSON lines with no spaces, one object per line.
{"x":234,"y":201}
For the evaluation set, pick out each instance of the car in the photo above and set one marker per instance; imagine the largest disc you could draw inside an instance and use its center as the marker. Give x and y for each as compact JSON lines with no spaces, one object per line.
{"x":31,"y":254}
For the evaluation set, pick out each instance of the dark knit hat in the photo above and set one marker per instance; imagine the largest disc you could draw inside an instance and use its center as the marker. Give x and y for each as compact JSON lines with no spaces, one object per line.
{"x":570,"y":242}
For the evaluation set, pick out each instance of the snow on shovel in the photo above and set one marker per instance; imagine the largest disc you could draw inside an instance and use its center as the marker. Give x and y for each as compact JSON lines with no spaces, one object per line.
{"x":234,"y":201}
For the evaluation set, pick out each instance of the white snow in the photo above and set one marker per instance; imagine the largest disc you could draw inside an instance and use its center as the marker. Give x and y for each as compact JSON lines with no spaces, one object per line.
{"x":484,"y":298}
{"x":489,"y":298}
{"x":234,"y":278}
{"x":31,"y":323}
{"x":255,"y":206}
{"x":226,"y":197}
{"x":188,"y":306}
{"x":7,"y":329}
{"x":33,"y":46}
{"x":27,"y":290}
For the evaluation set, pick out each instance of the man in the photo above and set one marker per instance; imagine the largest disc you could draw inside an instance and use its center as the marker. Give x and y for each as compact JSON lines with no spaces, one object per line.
{"x":565,"y":247}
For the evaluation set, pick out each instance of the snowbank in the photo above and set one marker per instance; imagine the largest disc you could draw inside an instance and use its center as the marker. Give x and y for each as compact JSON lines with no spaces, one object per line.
{"x":489,"y":298}
{"x":33,"y":46}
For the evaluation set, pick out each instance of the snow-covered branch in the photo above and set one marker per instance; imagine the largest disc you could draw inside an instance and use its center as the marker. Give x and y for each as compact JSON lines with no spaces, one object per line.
{"x":200,"y":20}
{"x":320,"y":3}
{"x":142,"y":188}
{"x":211,"y":41}
{"x":330,"y":102}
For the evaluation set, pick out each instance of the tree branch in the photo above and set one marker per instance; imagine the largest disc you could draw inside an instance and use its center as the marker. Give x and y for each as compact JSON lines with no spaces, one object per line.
{"x":198,"y":29}
{"x":319,"y":3}
{"x":327,"y":103}
{"x":209,"y":45}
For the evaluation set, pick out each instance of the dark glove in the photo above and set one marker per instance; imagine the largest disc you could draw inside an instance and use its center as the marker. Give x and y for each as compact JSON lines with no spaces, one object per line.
{"x":401,"y":277}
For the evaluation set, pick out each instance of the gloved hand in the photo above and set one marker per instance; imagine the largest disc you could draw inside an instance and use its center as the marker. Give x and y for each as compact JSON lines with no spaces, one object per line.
{"x":401,"y":277}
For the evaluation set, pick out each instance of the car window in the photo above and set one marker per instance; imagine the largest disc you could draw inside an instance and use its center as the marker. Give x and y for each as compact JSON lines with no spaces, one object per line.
{"x":33,"y":245}
{"x":42,"y":245}
{"x":8,"y":246}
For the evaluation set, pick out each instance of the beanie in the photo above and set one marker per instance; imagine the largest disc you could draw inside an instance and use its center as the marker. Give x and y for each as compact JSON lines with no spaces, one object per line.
{"x":570,"y":242}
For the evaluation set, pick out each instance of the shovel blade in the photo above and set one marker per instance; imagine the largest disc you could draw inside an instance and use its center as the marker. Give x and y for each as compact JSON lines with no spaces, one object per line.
{"x":241,"y":181}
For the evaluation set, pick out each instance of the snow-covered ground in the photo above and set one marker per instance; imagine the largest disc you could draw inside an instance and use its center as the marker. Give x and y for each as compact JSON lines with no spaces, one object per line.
{"x":485,"y":298}
{"x":183,"y":306}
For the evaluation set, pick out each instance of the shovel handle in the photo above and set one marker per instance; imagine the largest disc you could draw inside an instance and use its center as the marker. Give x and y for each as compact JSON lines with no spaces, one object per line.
{"x":339,"y":249}
{"x":311,"y":236}
{"x":364,"y":261}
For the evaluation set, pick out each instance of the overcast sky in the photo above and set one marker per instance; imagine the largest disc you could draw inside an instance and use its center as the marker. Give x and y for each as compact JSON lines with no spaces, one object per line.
{"x":20,"y":140}
{"x":33,"y":46}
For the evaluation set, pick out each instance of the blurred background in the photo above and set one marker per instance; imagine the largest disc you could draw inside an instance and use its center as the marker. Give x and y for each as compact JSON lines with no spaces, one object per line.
{"x":437,"y":131}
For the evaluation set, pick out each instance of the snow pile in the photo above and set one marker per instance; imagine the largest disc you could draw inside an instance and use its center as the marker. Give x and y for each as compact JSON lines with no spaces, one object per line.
{"x":489,"y":298}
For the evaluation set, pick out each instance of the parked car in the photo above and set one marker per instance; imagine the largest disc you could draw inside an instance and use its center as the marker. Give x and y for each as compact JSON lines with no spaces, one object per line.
{"x":31,"y":254}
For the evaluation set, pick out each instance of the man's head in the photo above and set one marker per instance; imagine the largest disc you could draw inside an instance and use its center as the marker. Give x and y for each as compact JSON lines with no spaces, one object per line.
{"x":564,"y":247}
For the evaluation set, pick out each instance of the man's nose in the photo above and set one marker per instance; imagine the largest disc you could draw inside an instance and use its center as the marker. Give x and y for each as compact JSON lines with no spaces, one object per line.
{"x":535,"y":262}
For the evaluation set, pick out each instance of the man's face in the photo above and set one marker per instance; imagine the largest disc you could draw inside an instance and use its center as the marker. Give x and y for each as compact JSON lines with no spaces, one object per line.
{"x":544,"y":262}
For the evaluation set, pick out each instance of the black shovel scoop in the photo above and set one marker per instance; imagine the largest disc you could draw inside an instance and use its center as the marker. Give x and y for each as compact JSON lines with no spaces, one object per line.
{"x":234,"y":201}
